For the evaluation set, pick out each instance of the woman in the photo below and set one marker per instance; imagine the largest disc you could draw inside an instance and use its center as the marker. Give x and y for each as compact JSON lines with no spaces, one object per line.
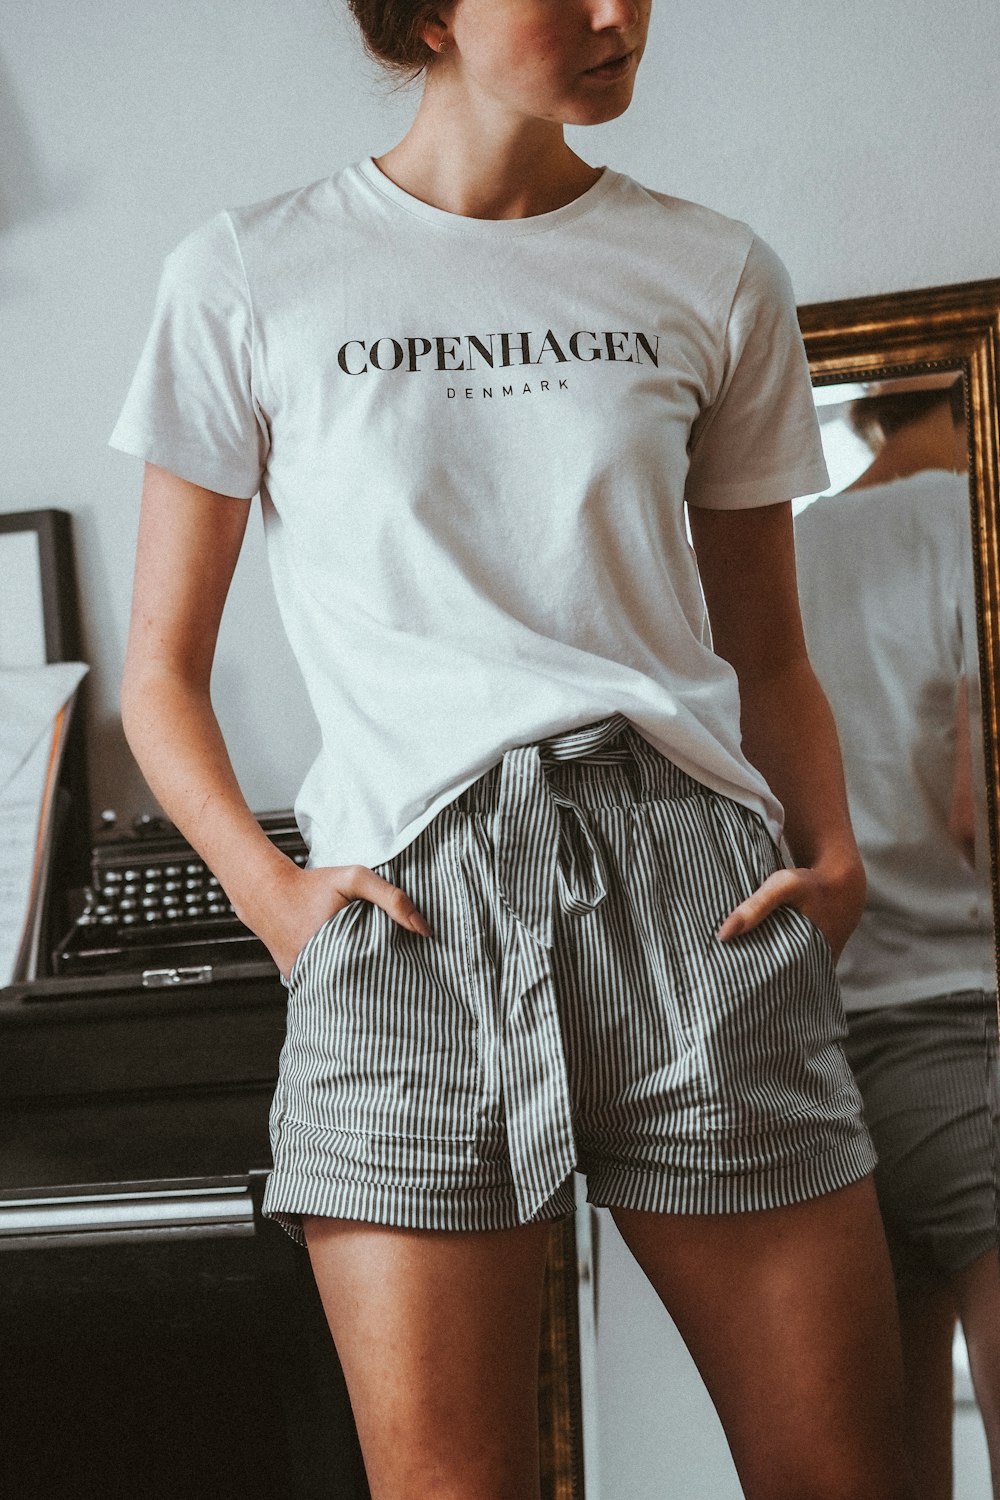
{"x":475,"y":382}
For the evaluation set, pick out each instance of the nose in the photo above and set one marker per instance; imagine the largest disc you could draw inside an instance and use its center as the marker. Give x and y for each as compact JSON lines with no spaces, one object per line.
{"x":614,"y":15}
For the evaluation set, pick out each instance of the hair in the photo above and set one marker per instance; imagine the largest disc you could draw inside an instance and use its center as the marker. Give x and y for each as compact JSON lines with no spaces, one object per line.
{"x":877,"y":417}
{"x":391,"y":29}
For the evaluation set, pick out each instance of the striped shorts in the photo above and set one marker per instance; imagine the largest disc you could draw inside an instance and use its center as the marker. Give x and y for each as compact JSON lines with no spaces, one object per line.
{"x":928,"y":1075}
{"x":573,"y":1009}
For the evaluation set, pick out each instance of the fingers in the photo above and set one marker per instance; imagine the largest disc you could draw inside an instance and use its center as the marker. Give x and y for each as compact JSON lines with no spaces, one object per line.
{"x":776,"y":891}
{"x":363,"y":884}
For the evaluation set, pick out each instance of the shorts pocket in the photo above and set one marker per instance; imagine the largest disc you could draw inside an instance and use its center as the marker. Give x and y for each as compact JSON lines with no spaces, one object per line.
{"x":742,"y":843}
{"x":311,"y":943}
{"x":816,"y":934}
{"x":382,"y":1037}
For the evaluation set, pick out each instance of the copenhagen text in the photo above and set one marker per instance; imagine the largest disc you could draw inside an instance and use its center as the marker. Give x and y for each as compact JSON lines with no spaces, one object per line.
{"x":495,"y":351}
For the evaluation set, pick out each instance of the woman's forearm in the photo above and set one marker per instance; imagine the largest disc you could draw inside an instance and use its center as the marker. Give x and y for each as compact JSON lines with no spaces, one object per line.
{"x":790,"y":735}
{"x":173,"y":732}
{"x":747,"y":564}
{"x":189,"y":541}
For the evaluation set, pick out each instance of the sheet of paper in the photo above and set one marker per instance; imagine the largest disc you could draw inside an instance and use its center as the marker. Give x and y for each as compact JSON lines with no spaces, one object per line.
{"x":22,"y":618}
{"x":30,"y":702}
{"x":20,"y":809}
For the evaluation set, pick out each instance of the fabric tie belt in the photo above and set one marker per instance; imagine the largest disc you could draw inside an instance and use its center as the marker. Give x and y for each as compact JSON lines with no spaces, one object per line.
{"x":545,"y":854}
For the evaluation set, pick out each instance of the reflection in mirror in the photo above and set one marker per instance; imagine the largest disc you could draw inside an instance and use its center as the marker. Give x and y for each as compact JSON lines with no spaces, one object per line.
{"x":885,"y":560}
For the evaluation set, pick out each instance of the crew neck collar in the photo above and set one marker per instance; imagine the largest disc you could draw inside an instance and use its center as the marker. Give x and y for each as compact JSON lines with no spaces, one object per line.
{"x":487,"y":228}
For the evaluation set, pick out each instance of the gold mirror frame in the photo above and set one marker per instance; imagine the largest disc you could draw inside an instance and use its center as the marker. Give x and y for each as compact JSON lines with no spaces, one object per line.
{"x":559,"y":1395}
{"x":957,"y":328}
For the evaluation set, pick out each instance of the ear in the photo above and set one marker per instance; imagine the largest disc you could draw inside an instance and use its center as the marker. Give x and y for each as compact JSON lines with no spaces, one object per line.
{"x":435,"y":30}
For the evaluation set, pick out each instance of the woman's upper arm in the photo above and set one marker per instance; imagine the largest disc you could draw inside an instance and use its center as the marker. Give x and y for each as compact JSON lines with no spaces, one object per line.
{"x":189,"y":541}
{"x":746,"y":559}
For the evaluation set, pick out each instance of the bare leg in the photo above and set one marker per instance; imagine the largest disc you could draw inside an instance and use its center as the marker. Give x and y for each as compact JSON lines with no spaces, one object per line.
{"x":977,"y":1291}
{"x":438,"y":1336}
{"x":790,"y":1316}
{"x":927,"y":1321}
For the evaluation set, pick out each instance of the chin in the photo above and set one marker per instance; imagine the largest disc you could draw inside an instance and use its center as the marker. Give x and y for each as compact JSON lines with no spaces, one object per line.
{"x":597,"y":111}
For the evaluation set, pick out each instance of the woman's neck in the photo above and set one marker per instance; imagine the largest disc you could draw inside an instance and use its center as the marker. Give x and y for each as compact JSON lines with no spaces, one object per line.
{"x":468,"y":157}
{"x":933,"y":441}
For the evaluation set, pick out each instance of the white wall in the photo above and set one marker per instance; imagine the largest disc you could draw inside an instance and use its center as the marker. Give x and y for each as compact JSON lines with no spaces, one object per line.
{"x":860,"y":137}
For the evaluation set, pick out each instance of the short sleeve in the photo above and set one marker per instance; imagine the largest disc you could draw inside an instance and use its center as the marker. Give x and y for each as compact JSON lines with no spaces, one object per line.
{"x":758,"y":442}
{"x":191,"y":407}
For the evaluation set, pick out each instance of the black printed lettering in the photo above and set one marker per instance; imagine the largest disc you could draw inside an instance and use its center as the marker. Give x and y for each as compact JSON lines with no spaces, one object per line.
{"x":447,"y":348}
{"x":416,"y":350}
{"x":505,"y":349}
{"x":574,"y":346}
{"x":564,"y":385}
{"x":508,"y":390}
{"x":545,"y":385}
{"x":470,"y":351}
{"x":342,"y":357}
{"x":551,"y":346}
{"x":477,"y":346}
{"x":376,"y":357}
{"x":616,"y":350}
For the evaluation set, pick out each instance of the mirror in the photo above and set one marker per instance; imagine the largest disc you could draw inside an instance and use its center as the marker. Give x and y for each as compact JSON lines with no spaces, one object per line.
{"x":912,"y":340}
{"x":899,"y":578}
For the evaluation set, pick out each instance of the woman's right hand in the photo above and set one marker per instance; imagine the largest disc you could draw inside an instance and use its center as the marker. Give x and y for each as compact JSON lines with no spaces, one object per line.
{"x":306,"y":899}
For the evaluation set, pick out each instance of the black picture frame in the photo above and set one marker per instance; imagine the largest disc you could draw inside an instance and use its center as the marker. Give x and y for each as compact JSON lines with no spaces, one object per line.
{"x":62,"y":633}
{"x":60,"y":600}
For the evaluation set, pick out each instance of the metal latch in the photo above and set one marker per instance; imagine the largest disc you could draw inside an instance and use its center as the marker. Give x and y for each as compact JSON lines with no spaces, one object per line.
{"x":159,"y":979}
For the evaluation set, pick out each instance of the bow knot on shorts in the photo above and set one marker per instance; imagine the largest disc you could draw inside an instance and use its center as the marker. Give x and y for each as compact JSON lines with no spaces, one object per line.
{"x":545,"y":850}
{"x":574,"y":1010}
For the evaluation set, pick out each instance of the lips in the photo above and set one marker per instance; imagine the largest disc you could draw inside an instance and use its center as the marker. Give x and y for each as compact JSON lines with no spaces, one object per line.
{"x":612,"y":67}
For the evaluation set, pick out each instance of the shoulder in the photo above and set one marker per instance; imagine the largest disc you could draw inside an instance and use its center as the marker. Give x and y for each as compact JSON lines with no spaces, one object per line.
{"x":682,"y":216}
{"x":248,"y":235}
{"x":314,"y":209}
{"x":883,"y":524}
{"x":724,"y":240}
{"x":723,"y":253}
{"x":929,"y":500}
{"x":938,"y":498}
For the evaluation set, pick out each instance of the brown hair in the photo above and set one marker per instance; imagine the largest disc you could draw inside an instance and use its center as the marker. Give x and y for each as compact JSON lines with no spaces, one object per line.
{"x":391,"y":32}
{"x":876,"y":417}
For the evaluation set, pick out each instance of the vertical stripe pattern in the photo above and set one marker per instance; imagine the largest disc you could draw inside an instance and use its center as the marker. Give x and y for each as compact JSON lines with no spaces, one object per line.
{"x":928,"y":1075}
{"x":573,"y":1008}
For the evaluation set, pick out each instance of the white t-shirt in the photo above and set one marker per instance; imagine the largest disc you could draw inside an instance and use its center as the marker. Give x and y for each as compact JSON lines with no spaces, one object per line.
{"x":885,"y":578}
{"x":473,"y":440}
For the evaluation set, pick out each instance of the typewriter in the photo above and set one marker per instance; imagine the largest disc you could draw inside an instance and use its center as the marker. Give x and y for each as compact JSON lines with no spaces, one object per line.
{"x":154,"y":911}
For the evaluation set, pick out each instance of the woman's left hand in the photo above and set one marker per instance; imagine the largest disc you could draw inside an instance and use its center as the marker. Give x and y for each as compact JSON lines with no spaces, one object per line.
{"x":833,"y":902}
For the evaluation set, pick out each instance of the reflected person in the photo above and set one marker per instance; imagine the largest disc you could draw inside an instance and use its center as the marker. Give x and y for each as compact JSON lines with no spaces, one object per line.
{"x":885,"y":574}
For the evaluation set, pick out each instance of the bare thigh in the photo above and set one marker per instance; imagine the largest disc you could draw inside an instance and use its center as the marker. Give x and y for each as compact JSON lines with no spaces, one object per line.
{"x":438,"y":1336}
{"x":927,"y":1321}
{"x":977,"y":1292}
{"x":790,"y":1316}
